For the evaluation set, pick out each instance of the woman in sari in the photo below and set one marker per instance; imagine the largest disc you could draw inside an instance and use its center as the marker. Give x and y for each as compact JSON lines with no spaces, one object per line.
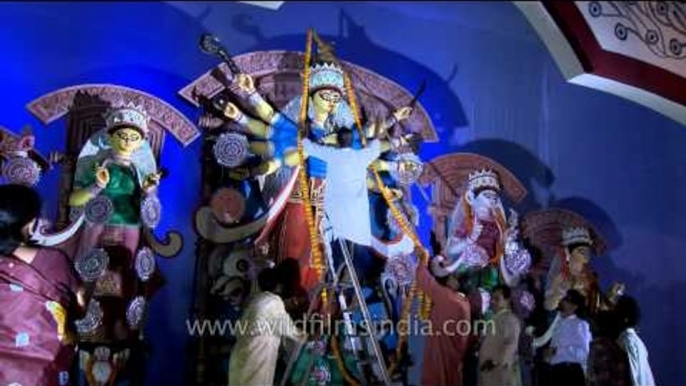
{"x":39,"y":295}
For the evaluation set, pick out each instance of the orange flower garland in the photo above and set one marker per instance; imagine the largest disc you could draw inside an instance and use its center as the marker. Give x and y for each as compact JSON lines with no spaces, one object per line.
{"x":404,"y":225}
{"x":315,"y":251}
{"x":340,"y":363}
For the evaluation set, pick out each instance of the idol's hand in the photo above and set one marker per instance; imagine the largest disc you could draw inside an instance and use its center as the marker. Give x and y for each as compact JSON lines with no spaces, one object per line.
{"x":151,"y":181}
{"x":102,"y":177}
{"x":476,"y":230}
{"x":232,"y":112}
{"x":402,"y":113}
{"x":246,"y":83}
{"x":396,"y":194}
{"x":239,"y":173}
{"x":616,"y":290}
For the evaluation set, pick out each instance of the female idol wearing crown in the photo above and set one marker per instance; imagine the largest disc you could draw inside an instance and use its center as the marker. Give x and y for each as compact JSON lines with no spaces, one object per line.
{"x":115,"y":190}
{"x":327,"y":112}
{"x":482,"y":243}
{"x":570,"y":270}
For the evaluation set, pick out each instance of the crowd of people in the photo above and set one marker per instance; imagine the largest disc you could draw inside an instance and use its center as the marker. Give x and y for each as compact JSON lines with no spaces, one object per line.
{"x":601,"y":350}
{"x":41,"y":286}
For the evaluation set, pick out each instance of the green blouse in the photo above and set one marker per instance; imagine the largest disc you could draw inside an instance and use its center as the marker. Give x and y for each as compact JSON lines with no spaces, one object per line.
{"x":123,"y":191}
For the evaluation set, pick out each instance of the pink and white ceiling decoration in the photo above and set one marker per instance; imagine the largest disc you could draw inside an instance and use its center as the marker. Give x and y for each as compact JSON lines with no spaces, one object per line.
{"x":633,"y":49}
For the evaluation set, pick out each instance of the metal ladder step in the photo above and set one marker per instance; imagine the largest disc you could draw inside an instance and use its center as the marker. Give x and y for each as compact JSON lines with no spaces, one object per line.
{"x":372,"y":365}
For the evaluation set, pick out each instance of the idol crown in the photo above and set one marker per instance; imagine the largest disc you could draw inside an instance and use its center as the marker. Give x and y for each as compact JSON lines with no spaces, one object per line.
{"x":483,"y":178}
{"x":128,"y":115}
{"x":327,"y":75}
{"x":576,"y":235}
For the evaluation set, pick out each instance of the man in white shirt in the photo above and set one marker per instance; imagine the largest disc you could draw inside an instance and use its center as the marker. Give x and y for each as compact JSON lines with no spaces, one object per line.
{"x":628,"y":313}
{"x":570,"y":344}
{"x":346,"y":202}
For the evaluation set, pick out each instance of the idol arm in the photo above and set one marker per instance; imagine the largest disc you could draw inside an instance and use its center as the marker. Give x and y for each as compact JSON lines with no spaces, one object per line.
{"x":454,"y":249}
{"x":252,"y":125}
{"x":81,"y":197}
{"x":511,"y":280}
{"x":263,"y":109}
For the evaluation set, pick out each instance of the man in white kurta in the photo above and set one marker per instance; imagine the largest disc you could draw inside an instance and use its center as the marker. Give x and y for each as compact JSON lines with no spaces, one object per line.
{"x":641,"y":374}
{"x":346,"y":202}
{"x":259,"y":332}
{"x":498,"y":354}
{"x":628,"y":313}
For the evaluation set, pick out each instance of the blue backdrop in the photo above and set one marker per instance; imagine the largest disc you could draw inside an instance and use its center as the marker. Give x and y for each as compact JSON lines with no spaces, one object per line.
{"x":493,"y":89}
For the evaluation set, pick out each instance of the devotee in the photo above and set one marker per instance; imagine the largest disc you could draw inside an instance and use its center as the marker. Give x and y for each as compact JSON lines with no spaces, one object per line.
{"x":445,"y":349}
{"x":40,"y":295}
{"x":259,"y":332}
{"x":607,"y":362}
{"x":346,"y":201}
{"x":629,"y":314}
{"x":568,"y":351}
{"x":498,"y":357}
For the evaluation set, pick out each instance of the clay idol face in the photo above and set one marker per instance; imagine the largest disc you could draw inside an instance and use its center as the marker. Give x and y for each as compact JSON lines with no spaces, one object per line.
{"x":580,"y":257}
{"x":485,"y":204}
{"x":125,"y":141}
{"x":326,"y":100}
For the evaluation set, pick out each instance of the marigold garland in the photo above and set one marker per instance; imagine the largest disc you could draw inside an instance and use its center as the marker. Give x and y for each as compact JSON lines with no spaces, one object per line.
{"x":424,"y":308}
{"x":341,"y":364}
{"x":315,"y":251}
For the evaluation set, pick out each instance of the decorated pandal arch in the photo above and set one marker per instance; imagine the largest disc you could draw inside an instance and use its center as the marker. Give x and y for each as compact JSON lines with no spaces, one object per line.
{"x":112,"y":243}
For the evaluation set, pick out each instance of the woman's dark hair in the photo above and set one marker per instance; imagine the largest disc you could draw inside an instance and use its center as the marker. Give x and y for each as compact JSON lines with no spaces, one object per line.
{"x":288,"y":274}
{"x":115,"y":128}
{"x":572,"y":247}
{"x":19,"y":205}
{"x":268,"y":279}
{"x":628,"y":312}
{"x":481,"y":189}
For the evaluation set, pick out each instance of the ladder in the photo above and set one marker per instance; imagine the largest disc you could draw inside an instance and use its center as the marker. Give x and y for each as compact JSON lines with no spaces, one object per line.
{"x":336,"y":285}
